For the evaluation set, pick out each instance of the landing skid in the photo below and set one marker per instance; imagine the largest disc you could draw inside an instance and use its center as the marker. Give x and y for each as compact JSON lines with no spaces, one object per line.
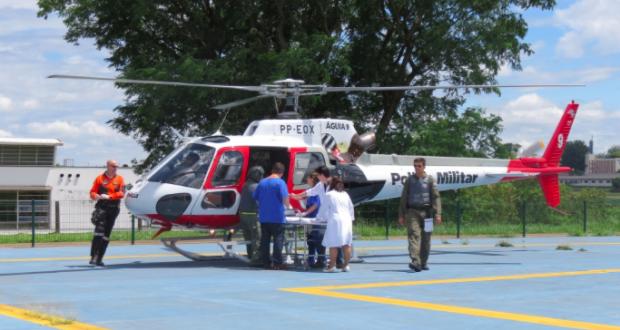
{"x":226,"y":246}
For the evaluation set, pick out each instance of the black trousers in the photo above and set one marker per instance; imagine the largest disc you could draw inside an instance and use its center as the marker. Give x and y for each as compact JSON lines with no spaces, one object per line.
{"x":269,"y":231}
{"x":104,"y":223}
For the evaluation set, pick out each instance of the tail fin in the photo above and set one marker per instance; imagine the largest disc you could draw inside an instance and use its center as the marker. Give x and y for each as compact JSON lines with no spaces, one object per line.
{"x":549,"y":181}
{"x":556,"y":145}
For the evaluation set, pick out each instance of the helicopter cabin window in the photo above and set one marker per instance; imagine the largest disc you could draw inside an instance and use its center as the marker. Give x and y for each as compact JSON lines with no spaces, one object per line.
{"x":187,"y":168}
{"x":228,"y":169}
{"x":224,"y":199}
{"x":252,"y":129}
{"x":305,"y":164}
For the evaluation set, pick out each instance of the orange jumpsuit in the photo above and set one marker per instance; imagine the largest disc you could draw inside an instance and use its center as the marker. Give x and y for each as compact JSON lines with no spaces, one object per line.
{"x":105,"y":213}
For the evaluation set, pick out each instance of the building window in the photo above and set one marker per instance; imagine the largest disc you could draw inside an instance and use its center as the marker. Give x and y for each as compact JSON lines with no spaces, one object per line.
{"x":16,"y":209}
{"x":26,"y":155}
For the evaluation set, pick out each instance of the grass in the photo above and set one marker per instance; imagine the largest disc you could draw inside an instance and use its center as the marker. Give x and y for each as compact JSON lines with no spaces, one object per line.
{"x":118,"y":235}
{"x":564,"y":247}
{"x":369,"y":229}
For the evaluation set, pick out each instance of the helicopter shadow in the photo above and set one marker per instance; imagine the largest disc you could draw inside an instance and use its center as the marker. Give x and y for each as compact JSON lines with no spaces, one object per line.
{"x":215,"y":262}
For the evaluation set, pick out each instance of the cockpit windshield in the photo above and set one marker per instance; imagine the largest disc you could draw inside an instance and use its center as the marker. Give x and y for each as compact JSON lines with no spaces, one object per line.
{"x":187,"y":168}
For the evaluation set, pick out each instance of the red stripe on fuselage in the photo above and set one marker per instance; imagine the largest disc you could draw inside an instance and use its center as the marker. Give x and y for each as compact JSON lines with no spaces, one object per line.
{"x":201,"y":220}
{"x":291,"y":173}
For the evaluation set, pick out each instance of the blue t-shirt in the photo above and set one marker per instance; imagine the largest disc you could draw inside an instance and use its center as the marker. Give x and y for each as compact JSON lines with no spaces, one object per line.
{"x":313,"y":200}
{"x":270,"y":194}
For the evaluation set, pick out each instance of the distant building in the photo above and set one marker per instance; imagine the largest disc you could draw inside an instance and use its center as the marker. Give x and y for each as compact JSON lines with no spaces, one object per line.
{"x":589,"y":180}
{"x":60,"y":194}
{"x":603,"y":166}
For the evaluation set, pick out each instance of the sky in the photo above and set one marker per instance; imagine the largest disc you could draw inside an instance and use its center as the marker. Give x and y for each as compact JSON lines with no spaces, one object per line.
{"x":578,"y":42}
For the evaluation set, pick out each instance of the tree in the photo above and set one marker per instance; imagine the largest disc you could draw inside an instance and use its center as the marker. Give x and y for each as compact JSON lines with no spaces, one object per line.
{"x":575,"y":156}
{"x":354,"y":42}
{"x":613,"y":152}
{"x":471,"y":134}
{"x":615,"y":184}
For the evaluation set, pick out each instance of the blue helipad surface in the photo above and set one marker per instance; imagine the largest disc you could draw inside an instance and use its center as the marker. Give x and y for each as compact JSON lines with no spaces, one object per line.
{"x":472,"y":284}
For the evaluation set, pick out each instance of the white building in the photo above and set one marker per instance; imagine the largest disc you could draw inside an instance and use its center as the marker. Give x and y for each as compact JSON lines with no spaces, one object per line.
{"x":60,"y":194}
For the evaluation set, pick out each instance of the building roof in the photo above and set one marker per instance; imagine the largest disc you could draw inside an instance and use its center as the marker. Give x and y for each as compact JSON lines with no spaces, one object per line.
{"x":30,"y":142}
{"x":590,"y":176}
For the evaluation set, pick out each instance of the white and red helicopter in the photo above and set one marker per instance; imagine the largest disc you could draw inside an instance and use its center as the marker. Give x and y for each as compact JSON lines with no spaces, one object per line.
{"x":199,"y":183}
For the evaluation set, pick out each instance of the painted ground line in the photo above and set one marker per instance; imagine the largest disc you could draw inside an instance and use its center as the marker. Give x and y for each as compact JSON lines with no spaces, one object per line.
{"x":516,"y":244}
{"x":129,"y":256}
{"x":376,"y":248}
{"x":47,"y":320}
{"x":328,"y":291}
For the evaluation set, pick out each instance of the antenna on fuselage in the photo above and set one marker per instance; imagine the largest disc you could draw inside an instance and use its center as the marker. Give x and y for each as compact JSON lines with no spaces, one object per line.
{"x":218,"y":131}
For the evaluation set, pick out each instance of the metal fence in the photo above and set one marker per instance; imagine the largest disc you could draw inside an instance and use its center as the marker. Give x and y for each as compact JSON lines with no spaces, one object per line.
{"x":380,"y":219}
{"x":69,"y":220}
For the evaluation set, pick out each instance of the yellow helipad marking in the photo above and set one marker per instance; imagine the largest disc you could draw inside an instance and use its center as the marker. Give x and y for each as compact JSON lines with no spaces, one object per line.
{"x":328,"y":291}
{"x":45,"y":319}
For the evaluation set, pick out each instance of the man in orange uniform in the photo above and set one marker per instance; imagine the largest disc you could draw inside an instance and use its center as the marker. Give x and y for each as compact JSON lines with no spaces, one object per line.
{"x":108,"y":190}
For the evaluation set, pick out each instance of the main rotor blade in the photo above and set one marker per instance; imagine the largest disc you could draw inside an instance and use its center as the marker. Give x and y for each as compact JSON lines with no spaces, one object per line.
{"x":328,"y":89}
{"x":239,"y":102}
{"x":158,"y":82}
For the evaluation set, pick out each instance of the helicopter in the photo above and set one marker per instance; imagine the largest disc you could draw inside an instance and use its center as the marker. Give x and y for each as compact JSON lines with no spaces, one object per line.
{"x":199,"y":183}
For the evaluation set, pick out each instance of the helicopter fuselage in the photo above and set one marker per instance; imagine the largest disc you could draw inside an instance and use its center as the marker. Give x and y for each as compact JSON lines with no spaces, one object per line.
{"x":200,"y":183}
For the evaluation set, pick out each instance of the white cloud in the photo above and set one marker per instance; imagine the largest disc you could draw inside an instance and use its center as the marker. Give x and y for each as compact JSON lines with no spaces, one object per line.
{"x":94,"y":128}
{"x":4,"y":133}
{"x":5,"y":103}
{"x":531,"y":117}
{"x":590,"y":22}
{"x":535,"y":74}
{"x":529,"y":108}
{"x":63,"y":128}
{"x":18,"y":4}
{"x":31,"y":104}
{"x":57,"y":128}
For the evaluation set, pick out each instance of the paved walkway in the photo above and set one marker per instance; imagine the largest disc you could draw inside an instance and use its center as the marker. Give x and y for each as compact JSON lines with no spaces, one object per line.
{"x":472,"y":284}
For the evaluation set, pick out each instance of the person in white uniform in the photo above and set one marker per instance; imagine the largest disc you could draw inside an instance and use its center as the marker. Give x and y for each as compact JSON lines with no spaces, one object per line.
{"x":339,"y":232}
{"x":320,"y":190}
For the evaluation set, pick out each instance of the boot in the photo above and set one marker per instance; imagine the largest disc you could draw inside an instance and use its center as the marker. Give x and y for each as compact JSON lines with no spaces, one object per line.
{"x":102,"y":247}
{"x":94,"y":249}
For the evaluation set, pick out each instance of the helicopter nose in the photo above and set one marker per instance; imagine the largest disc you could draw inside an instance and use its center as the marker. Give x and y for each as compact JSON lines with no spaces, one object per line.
{"x":172,"y":206}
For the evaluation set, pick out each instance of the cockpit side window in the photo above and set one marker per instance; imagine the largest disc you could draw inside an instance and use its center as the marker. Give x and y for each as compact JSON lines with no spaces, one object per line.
{"x":228,"y":169}
{"x":305,"y":163}
{"x":188,"y":168}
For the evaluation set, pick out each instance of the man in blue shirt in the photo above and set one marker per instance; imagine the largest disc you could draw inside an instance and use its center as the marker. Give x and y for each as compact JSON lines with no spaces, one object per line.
{"x":272,"y":196}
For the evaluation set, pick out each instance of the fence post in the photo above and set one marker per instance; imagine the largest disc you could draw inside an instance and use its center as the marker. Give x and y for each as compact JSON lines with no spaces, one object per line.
{"x":57,"y":216}
{"x":386,"y":220}
{"x":459,"y":216}
{"x":133,"y":229}
{"x":523,"y":211}
{"x":585,"y":216}
{"x":32,"y":213}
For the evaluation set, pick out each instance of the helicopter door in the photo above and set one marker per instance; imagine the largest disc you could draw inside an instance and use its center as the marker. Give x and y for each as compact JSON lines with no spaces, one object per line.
{"x":221,"y":192}
{"x":265,"y":157}
{"x":303,"y":163}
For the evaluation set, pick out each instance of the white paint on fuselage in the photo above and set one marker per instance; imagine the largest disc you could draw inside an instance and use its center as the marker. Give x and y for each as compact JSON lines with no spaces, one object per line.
{"x":446,"y":177}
